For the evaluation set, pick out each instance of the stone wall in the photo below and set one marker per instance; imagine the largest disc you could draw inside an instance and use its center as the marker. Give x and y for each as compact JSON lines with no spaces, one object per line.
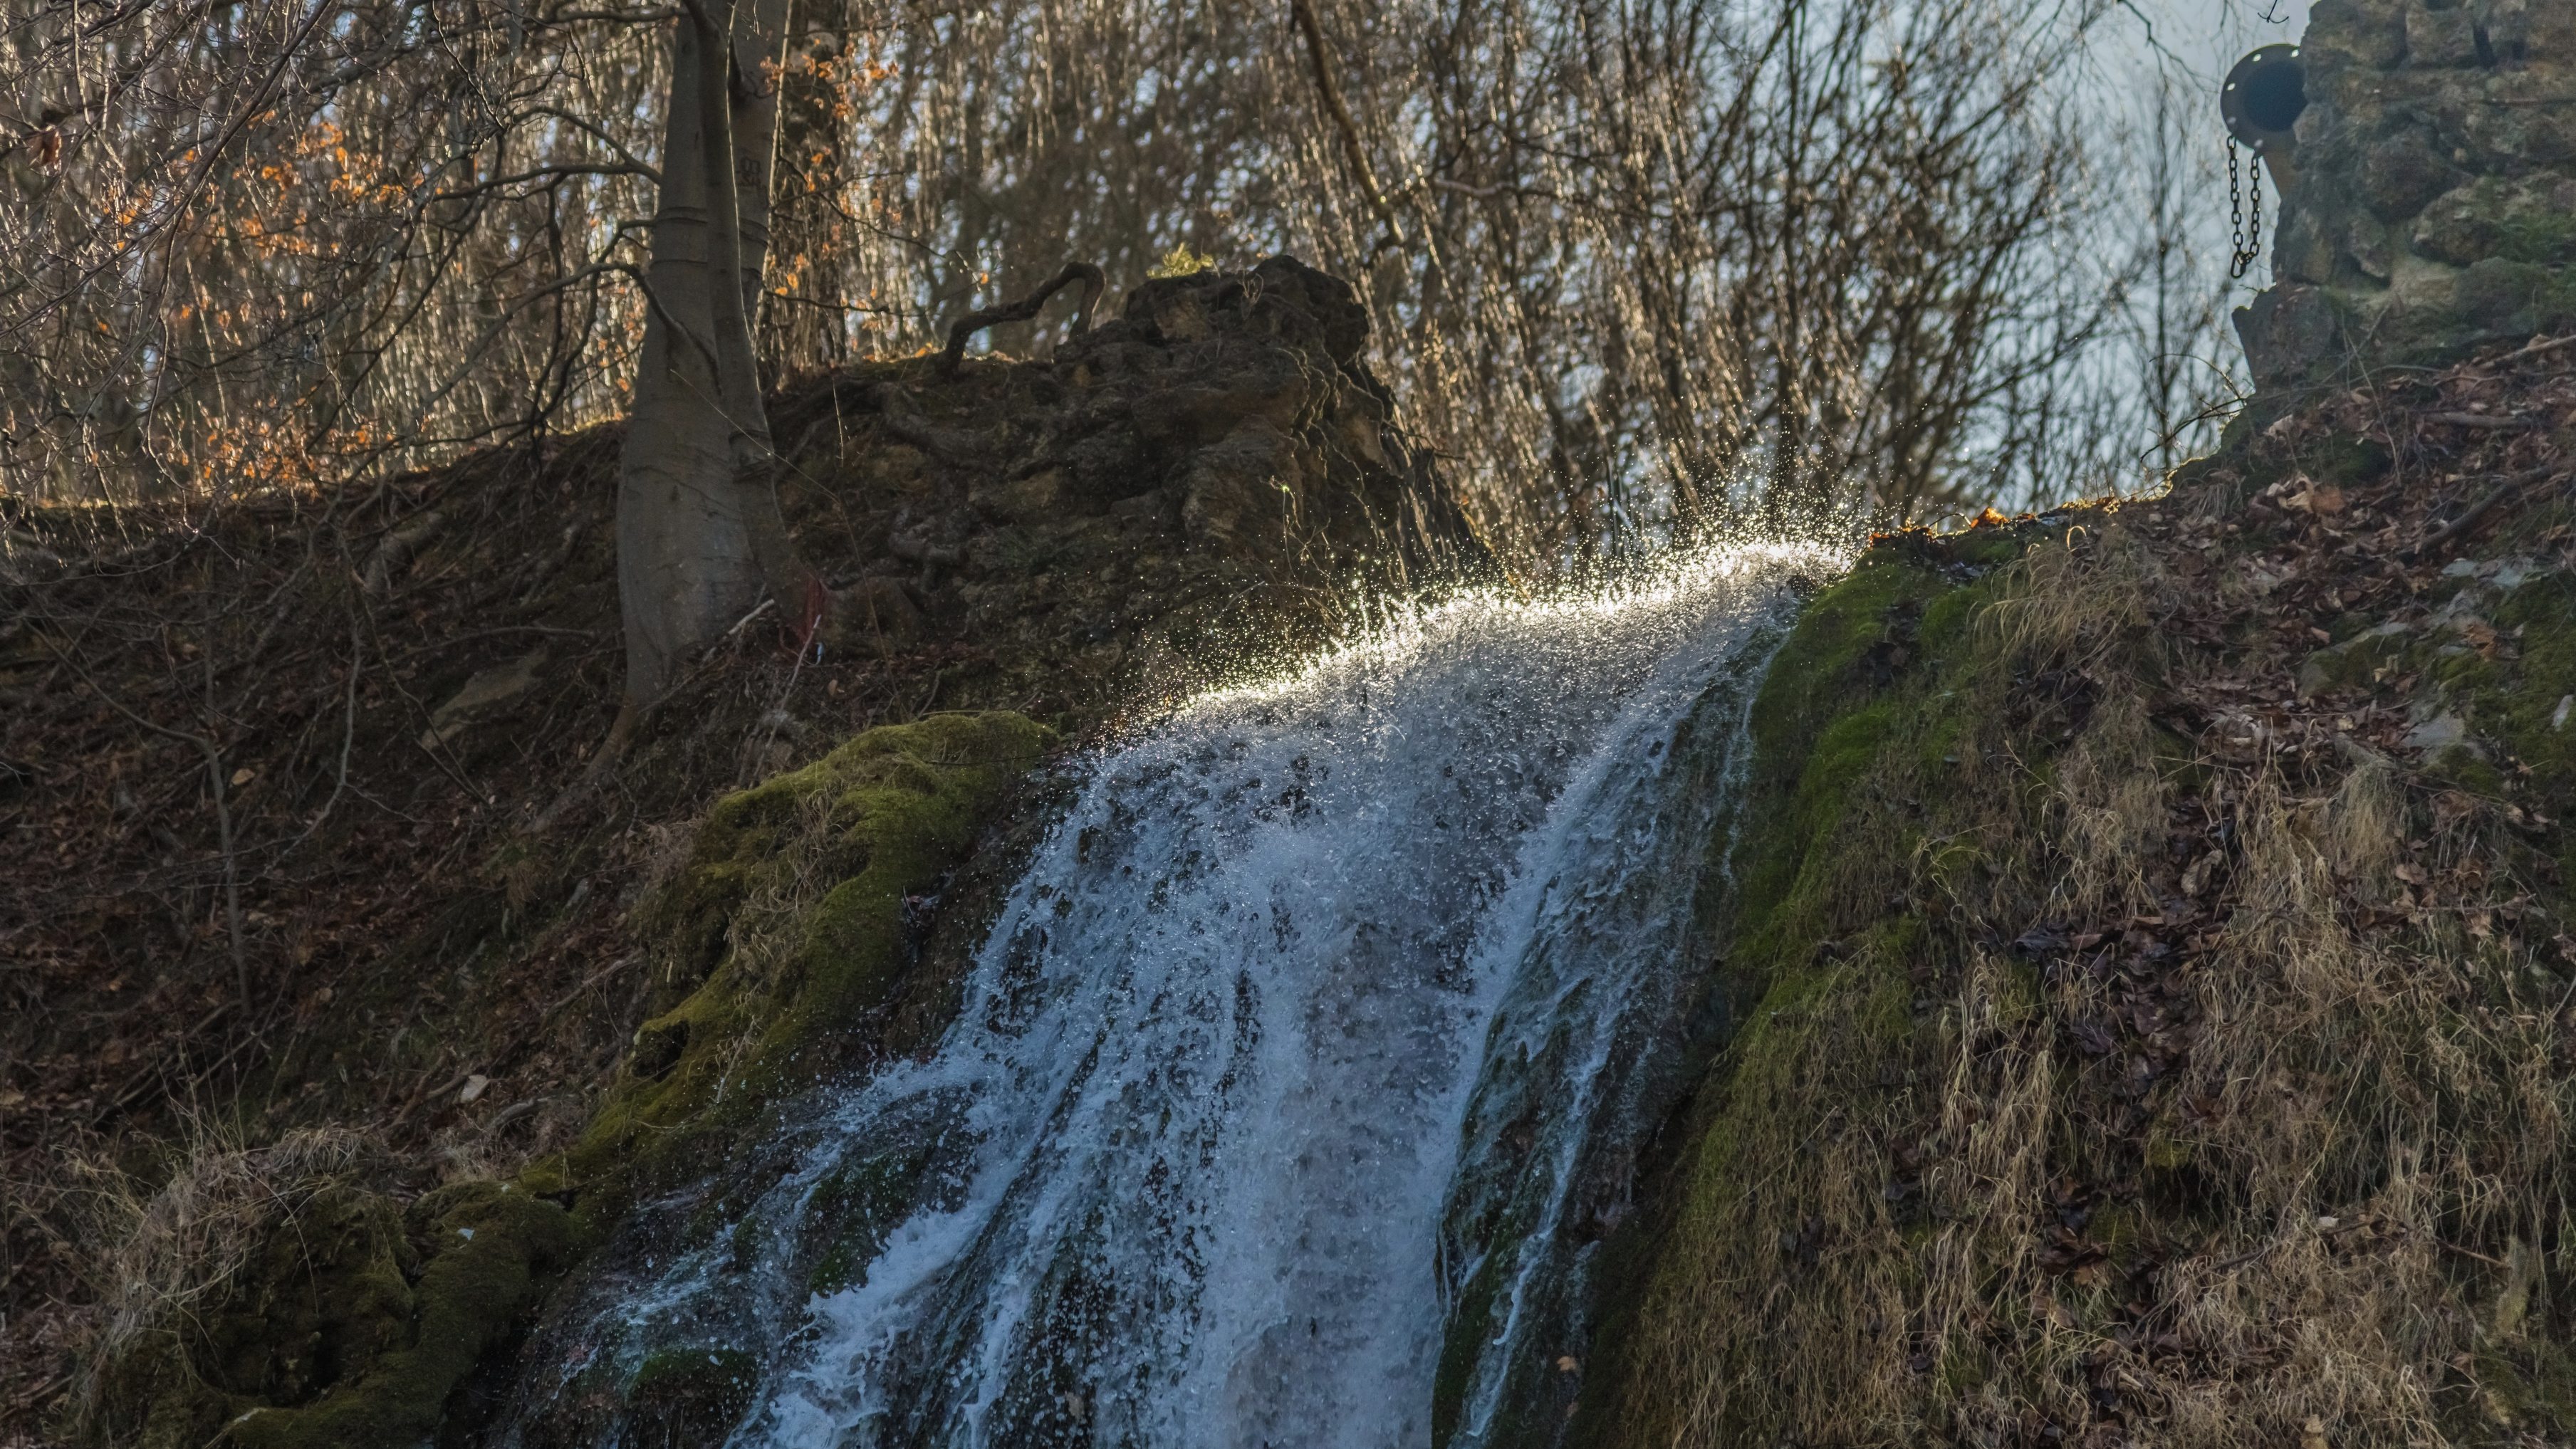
{"x":2435,"y":202}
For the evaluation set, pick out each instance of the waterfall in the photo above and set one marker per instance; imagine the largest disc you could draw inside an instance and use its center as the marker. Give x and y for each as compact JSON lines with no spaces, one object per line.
{"x":1299,"y":1077}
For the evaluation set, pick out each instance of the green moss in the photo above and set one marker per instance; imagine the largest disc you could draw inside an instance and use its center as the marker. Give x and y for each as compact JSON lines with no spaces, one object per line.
{"x":857,"y":1206}
{"x":487,"y":1250}
{"x":1462,"y":1346}
{"x":2167,"y":1151}
{"x":1962,"y":1372}
{"x":2529,"y":1386}
{"x":2347,"y":459}
{"x":2539,"y":238}
{"x":2358,"y":659}
{"x":692,"y":1395}
{"x":2118,"y":1228}
{"x":785,"y":931}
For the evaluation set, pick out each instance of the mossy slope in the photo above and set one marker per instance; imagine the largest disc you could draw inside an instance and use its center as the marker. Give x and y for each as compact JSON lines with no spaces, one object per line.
{"x":802,"y":905}
{"x":2126,"y":1052}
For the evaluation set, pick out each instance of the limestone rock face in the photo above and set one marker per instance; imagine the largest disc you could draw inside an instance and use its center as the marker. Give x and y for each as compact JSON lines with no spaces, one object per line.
{"x":2435,"y":204}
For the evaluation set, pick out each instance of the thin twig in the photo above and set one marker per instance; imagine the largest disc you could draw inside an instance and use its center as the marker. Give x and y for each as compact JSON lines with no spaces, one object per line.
{"x":1302,"y":12}
{"x":1092,"y":278}
{"x":2511,"y":488}
{"x":2481,"y":420}
{"x":2545,"y":345}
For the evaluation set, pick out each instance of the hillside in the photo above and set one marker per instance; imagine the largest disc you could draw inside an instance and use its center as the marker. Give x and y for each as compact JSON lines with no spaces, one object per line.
{"x":1190,"y":950}
{"x":2150,"y":974}
{"x":313,"y":862}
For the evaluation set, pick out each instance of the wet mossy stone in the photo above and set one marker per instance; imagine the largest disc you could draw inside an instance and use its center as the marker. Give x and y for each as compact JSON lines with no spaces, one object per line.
{"x":693,"y":1395}
{"x":330,"y":1294}
{"x":851,"y":1212}
{"x":355,"y":1323}
{"x":800,"y":909}
{"x":328,"y":1289}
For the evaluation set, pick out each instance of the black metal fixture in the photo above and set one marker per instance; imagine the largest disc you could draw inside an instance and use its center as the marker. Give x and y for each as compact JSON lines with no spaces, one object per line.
{"x":2261,"y":102}
{"x":2262,"y":99}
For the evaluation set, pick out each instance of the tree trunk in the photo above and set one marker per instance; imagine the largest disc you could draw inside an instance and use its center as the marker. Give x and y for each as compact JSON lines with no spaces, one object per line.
{"x":699,"y":535}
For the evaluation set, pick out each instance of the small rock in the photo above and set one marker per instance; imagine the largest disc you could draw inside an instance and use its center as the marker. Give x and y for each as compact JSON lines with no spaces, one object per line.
{"x":2437,"y":39}
{"x":2437,"y":734}
{"x":872,"y":616}
{"x":485,"y":691}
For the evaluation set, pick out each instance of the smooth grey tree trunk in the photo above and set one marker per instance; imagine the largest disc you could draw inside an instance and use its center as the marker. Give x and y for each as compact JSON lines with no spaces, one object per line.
{"x":699,"y":536}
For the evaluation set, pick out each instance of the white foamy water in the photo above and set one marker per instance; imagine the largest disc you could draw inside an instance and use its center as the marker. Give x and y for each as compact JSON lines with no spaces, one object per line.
{"x":1313,"y":1038}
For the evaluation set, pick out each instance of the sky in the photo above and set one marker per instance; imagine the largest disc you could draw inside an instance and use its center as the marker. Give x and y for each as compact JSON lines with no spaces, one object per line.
{"x":2192,"y":43}
{"x":2197,"y":41}
{"x":2205,"y":36}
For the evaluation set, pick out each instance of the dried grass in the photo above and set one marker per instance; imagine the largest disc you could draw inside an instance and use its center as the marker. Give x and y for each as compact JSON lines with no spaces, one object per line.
{"x":2352,"y":1166}
{"x":170,"y":1248}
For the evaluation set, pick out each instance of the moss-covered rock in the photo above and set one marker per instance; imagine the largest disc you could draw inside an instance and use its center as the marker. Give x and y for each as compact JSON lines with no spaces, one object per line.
{"x":694,"y":1395}
{"x":487,"y":1249}
{"x":355,"y":1323}
{"x":803,"y":901}
{"x":362,"y":1321}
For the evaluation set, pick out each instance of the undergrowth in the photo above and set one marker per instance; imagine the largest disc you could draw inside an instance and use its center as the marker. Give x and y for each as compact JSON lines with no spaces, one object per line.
{"x":2134,"y":1057}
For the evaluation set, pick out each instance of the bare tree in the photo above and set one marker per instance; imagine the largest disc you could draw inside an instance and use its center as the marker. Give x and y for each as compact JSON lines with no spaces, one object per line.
{"x":281,"y":244}
{"x":698,"y":528}
{"x":1642,"y":267}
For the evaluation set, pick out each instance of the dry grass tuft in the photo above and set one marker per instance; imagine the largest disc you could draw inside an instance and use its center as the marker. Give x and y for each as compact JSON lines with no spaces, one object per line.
{"x":169,"y":1249}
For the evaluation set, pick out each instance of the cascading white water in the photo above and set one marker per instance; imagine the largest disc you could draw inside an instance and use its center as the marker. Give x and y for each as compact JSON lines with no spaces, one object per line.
{"x":1297,"y":1071}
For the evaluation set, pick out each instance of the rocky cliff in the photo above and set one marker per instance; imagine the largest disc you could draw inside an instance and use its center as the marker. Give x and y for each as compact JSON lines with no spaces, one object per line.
{"x":2435,"y":200}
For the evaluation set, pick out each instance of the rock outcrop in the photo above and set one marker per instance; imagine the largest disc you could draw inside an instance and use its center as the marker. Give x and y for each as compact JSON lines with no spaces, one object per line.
{"x":1216,"y":456}
{"x":2435,"y":200}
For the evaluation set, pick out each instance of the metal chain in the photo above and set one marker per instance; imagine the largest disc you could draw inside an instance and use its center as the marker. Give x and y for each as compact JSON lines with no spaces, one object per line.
{"x":2248,"y":242}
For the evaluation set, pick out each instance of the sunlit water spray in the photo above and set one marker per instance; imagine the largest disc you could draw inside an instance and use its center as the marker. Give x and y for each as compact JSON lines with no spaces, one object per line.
{"x":1296,"y":1080}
